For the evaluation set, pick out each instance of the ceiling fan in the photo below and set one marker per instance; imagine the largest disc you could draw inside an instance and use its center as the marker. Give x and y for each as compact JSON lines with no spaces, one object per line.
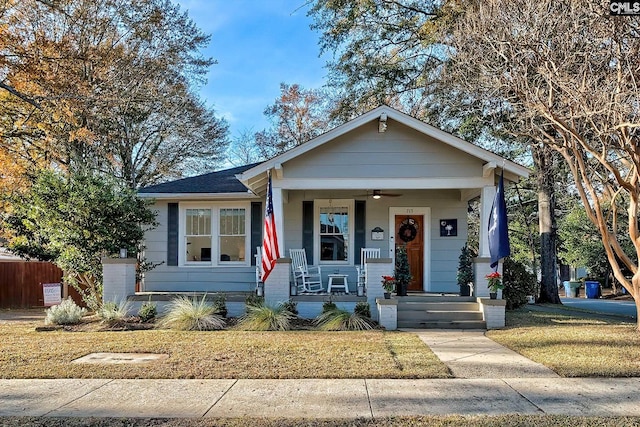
{"x":376,"y":194}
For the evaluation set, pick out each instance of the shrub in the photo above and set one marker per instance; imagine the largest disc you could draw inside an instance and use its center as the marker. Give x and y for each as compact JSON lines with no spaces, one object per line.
{"x":291,"y":306}
{"x":220,"y":305}
{"x":329,"y":306}
{"x":148,"y":311}
{"x":191,"y":314}
{"x":363,"y":309}
{"x":254,"y":300}
{"x":65,"y":313}
{"x":112,"y":313}
{"x":518,"y":283}
{"x":341,"y":320}
{"x":265,"y":318}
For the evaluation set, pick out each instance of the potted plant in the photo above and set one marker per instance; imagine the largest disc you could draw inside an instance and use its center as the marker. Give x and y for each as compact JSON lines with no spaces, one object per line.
{"x":465,"y":271}
{"x":494,"y":283}
{"x":402,"y":271}
{"x":388,"y":284}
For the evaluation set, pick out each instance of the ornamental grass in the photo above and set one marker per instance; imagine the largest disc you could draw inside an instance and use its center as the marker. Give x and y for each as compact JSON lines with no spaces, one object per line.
{"x":191,"y":314}
{"x":262,"y":317}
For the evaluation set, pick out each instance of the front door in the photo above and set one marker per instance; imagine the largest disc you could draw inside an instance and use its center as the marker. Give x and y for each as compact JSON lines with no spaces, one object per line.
{"x":409,"y":231}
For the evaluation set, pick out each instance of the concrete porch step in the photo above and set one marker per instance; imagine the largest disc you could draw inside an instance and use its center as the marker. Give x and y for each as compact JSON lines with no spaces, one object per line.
{"x":434,"y":315}
{"x":434,"y":298}
{"x":443,"y":324}
{"x":438,"y":306}
{"x":439,"y":312}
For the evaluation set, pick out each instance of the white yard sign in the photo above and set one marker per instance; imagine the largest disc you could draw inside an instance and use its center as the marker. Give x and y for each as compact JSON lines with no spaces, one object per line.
{"x":52,"y":294}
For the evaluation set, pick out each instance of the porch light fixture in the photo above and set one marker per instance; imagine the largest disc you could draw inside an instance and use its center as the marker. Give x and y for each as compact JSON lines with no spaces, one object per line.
{"x":376,"y":194}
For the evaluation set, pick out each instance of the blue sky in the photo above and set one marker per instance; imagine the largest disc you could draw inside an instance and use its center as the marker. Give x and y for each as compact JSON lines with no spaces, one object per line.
{"x":258,"y":45}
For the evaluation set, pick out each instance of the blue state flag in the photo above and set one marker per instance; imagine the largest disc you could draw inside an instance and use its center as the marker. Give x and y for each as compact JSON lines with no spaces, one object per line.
{"x":498,"y":228}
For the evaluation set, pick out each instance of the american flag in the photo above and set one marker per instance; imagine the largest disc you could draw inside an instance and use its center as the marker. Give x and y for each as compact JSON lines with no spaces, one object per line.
{"x":270,"y":250}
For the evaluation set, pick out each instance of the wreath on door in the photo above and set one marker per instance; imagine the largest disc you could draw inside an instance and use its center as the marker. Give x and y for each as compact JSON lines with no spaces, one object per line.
{"x":408,"y":230}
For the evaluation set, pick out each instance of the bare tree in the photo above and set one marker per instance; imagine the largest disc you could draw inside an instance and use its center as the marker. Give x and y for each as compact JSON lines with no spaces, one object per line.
{"x":297,"y":116}
{"x":243,"y":149}
{"x":568,"y":77}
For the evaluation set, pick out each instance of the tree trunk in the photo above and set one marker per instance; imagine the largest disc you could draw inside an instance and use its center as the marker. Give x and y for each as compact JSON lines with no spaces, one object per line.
{"x":546,"y":216}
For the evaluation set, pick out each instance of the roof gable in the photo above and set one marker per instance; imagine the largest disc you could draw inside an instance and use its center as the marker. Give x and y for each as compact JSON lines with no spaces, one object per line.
{"x":255,"y":178}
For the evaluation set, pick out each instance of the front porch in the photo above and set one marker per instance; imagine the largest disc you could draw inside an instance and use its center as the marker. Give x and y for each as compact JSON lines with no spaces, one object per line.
{"x":416,"y":310}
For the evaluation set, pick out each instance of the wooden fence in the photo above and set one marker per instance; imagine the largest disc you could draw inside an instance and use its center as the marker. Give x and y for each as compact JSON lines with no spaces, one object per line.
{"x":21,"y":283}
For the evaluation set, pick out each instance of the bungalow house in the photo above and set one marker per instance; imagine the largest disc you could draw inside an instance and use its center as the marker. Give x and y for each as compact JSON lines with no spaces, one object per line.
{"x":379,"y":181}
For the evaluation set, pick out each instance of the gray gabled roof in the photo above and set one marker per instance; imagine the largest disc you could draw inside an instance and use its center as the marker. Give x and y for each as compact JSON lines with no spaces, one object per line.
{"x":220,"y":182}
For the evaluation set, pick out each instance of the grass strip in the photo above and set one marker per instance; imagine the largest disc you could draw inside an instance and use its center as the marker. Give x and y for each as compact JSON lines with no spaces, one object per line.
{"x":25,"y":353}
{"x":573,"y":346}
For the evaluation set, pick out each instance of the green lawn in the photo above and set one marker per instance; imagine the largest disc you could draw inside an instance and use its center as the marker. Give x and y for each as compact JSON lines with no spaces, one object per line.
{"x":573,"y":346}
{"x":25,"y":353}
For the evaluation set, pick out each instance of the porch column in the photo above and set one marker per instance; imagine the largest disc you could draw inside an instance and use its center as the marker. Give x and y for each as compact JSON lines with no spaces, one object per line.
{"x":482,"y":264}
{"x":376,"y":268}
{"x":278,"y":212}
{"x":482,"y":267}
{"x":118,"y":279}
{"x":277,"y":287}
{"x":486,"y":201}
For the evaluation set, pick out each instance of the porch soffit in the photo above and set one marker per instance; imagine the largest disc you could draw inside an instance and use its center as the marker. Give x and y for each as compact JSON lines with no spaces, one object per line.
{"x":384,"y":183}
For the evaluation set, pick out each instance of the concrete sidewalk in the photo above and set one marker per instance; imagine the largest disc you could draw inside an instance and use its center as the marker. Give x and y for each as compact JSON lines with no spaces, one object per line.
{"x":311,"y":398}
{"x":491,"y":380}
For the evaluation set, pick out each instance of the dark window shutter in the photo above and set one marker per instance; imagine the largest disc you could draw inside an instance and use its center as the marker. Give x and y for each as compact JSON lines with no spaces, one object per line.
{"x":307,"y":229}
{"x":360,"y":234}
{"x":256,"y":229}
{"x":172,"y":234}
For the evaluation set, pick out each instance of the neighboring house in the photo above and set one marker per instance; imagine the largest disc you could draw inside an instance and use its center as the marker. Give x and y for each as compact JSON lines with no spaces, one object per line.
{"x":380,"y":180}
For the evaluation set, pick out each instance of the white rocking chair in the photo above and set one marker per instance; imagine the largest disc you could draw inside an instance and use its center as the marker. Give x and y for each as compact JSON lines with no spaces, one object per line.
{"x":365,"y":254}
{"x":308,"y":279}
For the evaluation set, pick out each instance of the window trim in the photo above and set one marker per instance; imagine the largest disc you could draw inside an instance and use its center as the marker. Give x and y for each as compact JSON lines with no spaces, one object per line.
{"x":325,"y":203}
{"x":215,"y":234}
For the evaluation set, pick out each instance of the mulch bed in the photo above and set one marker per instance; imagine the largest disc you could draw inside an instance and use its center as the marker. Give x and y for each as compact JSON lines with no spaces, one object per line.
{"x":93,"y":324}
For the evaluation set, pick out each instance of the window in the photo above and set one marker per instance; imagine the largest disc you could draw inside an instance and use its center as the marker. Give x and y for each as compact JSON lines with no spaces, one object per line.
{"x":334,"y":223}
{"x":198,"y":235}
{"x":232,"y":234}
{"x":214,"y":235}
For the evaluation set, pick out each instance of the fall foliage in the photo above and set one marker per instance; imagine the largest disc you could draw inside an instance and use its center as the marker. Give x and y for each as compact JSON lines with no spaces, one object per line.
{"x":106,"y":84}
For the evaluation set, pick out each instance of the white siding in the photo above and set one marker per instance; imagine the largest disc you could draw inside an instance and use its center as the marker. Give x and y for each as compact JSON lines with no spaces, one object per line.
{"x":400,"y":152}
{"x":165,"y":278}
{"x":444,"y":250}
